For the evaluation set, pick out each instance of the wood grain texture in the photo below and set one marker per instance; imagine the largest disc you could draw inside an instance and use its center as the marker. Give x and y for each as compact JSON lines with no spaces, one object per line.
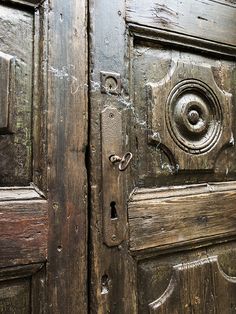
{"x":23,"y":228}
{"x":110,"y":292}
{"x":66,"y":148}
{"x":191,"y":290}
{"x":16,"y":32}
{"x":22,"y":271}
{"x":19,"y":193}
{"x":184,"y":91}
{"x":198,"y":276}
{"x":209,"y":20}
{"x":154,"y":63}
{"x":122,"y":279}
{"x":15,"y":297}
{"x":30,"y":3}
{"x":6,"y":76}
{"x":167,"y":217}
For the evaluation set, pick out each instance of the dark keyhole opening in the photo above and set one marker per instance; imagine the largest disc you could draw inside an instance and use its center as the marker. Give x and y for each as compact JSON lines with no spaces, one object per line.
{"x":113,"y":210}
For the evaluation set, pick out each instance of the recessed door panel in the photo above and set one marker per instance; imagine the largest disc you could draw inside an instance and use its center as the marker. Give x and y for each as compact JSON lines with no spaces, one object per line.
{"x":170,"y":246}
{"x":16,"y":63}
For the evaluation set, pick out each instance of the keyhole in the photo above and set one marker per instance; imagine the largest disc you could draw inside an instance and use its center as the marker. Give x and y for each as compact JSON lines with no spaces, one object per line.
{"x":111,"y":83}
{"x":113,"y":210}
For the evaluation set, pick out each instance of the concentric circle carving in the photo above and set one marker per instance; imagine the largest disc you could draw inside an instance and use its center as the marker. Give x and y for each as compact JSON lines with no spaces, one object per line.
{"x":194,"y":116}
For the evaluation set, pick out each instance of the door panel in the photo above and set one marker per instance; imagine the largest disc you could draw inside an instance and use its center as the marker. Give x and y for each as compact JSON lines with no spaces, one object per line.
{"x":168,"y":97}
{"x":168,"y":84}
{"x":16,"y":31}
{"x":43,"y":139}
{"x":159,"y":217}
{"x":23,"y":207}
{"x":195,"y":282}
{"x":15,"y":297}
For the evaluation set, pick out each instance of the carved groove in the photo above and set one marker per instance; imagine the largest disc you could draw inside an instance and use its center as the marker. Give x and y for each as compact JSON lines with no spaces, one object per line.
{"x":189,"y":115}
{"x":197,"y":278}
{"x":194,"y":116}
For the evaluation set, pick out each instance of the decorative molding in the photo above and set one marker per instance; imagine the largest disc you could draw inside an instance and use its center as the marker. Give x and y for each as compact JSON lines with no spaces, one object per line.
{"x":190,"y":117}
{"x":168,"y":38}
{"x":204,"y":280}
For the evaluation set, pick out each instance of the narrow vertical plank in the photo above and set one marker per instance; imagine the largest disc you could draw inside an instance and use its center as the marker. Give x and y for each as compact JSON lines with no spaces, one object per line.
{"x":67,"y":140}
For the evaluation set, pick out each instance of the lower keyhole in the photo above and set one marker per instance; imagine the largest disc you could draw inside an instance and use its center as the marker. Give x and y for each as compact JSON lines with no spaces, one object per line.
{"x":113,"y":210}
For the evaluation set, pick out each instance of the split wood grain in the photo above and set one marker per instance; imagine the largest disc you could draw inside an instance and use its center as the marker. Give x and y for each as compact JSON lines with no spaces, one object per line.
{"x":190,"y":214}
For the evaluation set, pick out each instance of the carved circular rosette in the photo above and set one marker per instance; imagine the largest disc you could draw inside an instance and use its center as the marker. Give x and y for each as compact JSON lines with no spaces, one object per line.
{"x":194,"y":116}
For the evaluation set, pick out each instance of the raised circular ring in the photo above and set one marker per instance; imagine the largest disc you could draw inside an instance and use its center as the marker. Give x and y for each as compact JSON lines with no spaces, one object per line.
{"x":194,"y":116}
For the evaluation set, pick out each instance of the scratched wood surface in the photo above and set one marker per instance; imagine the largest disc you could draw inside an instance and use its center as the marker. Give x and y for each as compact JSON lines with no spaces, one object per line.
{"x":15,"y":297}
{"x":164,"y":282}
{"x":67,"y":144}
{"x":23,"y":227}
{"x":195,"y":18}
{"x":16,"y":31}
{"x":43,"y":138}
{"x":158,"y":220}
{"x":157,"y":67}
{"x":176,"y":61}
{"x":30,"y":3}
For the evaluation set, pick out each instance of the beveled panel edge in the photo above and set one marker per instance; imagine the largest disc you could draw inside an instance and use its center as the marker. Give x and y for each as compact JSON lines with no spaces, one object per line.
{"x":28,"y":3}
{"x":20,"y":193}
{"x":183,"y":41}
{"x":224,"y":2}
{"x":21,"y":271}
{"x":181,"y":190}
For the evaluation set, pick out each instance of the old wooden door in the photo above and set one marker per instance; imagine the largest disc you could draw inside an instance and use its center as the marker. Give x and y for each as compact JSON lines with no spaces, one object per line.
{"x":43,"y":64}
{"x":163,"y":88}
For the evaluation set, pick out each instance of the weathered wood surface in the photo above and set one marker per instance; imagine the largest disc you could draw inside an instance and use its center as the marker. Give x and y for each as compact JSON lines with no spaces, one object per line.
{"x":194,"y":281}
{"x":21,"y":271}
{"x":154,"y":162}
{"x":168,"y":217}
{"x":190,"y":114}
{"x":23,"y":232}
{"x":30,"y":3}
{"x":209,"y":20}
{"x":15,"y":297}
{"x":109,"y":290}
{"x":66,"y":146}
{"x":5,"y":70}
{"x":19,"y":193}
{"x":122,"y":279}
{"x":16,"y":32}
{"x":197,"y":277}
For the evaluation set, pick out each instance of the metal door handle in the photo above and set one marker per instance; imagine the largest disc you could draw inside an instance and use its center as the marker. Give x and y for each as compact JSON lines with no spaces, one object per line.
{"x":123,"y":161}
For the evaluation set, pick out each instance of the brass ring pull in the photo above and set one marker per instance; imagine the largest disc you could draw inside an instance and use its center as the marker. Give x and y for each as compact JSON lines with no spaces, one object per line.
{"x":123,"y":162}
